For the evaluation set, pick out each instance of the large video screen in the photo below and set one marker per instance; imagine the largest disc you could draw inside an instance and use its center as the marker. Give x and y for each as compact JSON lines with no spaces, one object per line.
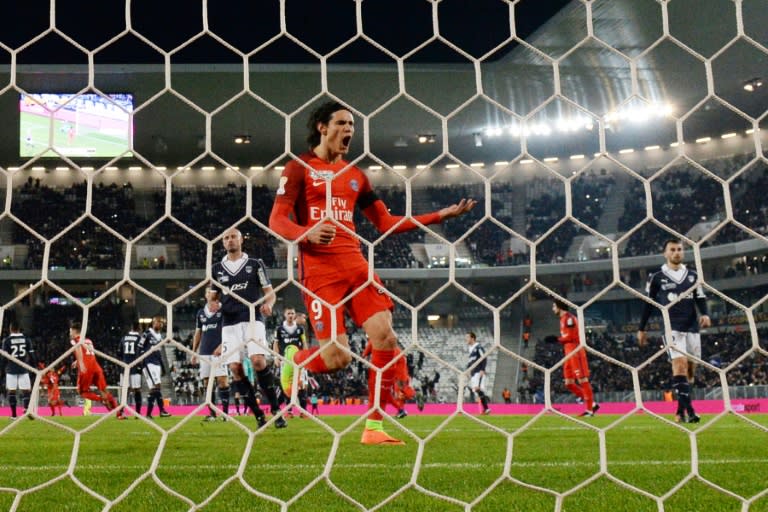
{"x":84,"y":125}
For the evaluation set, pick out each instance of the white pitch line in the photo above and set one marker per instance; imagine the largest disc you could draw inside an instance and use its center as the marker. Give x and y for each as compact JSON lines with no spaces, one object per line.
{"x":432,"y":465}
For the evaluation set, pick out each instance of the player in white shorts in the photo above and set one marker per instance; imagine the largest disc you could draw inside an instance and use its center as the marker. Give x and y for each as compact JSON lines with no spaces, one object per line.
{"x":153,"y":365}
{"x":677,"y":288}
{"x":476,"y":368}
{"x":206,"y":343}
{"x":17,"y":376}
{"x":129,"y":351}
{"x":243,"y":281}
{"x":683,"y":344}
{"x":232,"y":336}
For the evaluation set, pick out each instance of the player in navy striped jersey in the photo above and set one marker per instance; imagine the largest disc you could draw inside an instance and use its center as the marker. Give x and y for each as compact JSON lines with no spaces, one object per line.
{"x":290,"y":337}
{"x":675,"y":281}
{"x":476,"y":367}
{"x":206,"y":342}
{"x":243,"y":281}
{"x":153,"y":365}
{"x":18,"y":346}
{"x":129,"y":351}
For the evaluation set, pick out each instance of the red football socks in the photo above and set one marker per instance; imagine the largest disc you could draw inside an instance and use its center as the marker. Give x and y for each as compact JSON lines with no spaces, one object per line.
{"x":379,"y":359}
{"x":589,"y":398}
{"x":90,"y":395}
{"x":576,"y":389}
{"x":316,"y":365}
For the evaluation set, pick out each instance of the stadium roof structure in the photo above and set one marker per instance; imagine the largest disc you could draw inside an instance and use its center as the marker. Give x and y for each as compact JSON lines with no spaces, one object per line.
{"x":569,"y":69}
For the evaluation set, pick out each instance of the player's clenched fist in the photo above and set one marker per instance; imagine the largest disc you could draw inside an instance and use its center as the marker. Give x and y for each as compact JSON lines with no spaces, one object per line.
{"x":322,"y":234}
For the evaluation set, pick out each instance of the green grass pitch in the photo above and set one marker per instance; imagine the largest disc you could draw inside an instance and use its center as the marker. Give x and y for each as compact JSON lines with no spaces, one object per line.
{"x":34,"y":139}
{"x":491,"y":463}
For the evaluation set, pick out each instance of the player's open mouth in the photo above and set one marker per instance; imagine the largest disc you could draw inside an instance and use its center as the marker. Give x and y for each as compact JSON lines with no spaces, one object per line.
{"x":346,"y":140}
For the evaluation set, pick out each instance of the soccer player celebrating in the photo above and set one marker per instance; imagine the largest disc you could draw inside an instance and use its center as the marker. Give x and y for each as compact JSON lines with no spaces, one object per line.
{"x":477,"y":369}
{"x":289,"y":339}
{"x":153,"y":365}
{"x":675,"y":281}
{"x":331,"y":263}
{"x":89,"y":372}
{"x":129,"y":351}
{"x":247,"y":277}
{"x":18,"y":346}
{"x":205,"y":342}
{"x":51,"y":381}
{"x":576,"y":367}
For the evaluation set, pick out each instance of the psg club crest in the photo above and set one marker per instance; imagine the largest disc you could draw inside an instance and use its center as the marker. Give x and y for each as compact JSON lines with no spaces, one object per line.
{"x":319,"y":326}
{"x":248,"y":269}
{"x":223,"y":279}
{"x":355,"y":185}
{"x":281,"y":185}
{"x":690,"y":279}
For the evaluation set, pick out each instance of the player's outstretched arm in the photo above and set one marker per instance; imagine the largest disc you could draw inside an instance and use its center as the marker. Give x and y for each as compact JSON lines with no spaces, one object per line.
{"x":460,"y":208}
{"x":378,"y":213}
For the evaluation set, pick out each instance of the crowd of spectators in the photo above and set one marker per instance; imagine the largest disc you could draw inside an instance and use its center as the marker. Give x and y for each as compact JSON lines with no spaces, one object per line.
{"x":202,"y":213}
{"x":545,"y":207}
{"x":684,"y":196}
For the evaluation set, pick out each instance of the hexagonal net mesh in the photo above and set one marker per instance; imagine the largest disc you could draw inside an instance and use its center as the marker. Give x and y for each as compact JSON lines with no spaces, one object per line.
{"x":582,"y":220}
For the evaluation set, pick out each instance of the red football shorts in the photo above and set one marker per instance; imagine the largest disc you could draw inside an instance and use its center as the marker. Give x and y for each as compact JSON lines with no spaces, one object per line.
{"x":335,"y":278}
{"x":576,"y":367}
{"x":91,"y":377}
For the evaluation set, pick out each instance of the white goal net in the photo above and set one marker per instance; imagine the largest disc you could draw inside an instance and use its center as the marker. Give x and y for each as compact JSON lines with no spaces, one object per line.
{"x":589,"y":131}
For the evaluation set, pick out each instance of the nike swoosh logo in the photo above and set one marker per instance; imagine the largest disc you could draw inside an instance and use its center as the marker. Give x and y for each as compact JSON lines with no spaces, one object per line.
{"x":317,"y":183}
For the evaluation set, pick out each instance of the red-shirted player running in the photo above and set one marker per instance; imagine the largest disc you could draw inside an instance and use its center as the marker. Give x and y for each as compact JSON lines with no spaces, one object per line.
{"x":51,"y":381}
{"x":89,"y":372}
{"x":576,"y":368}
{"x":331,"y":263}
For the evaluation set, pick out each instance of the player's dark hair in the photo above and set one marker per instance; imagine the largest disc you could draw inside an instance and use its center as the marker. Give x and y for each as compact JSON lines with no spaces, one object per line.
{"x":321,"y":114}
{"x":560,"y":304}
{"x":136,"y":325}
{"x":472,"y":335}
{"x":76,"y":325}
{"x":13,"y":326}
{"x":286,"y":308}
{"x":668,"y":241}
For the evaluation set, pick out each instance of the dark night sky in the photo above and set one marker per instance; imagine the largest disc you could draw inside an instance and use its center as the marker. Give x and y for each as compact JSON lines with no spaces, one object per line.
{"x":400,"y":25}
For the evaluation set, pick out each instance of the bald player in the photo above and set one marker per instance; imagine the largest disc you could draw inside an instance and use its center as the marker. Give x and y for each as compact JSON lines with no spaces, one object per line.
{"x":242,"y":281}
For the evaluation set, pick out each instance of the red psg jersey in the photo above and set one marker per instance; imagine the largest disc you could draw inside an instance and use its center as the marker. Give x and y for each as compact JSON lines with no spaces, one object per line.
{"x":305,"y":188}
{"x":89,"y":353}
{"x":569,"y":332}
{"x":301,"y":203}
{"x":51,"y":380}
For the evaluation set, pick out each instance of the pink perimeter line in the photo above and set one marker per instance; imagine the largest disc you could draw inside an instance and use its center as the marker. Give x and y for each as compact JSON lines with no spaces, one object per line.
{"x":748,"y":406}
